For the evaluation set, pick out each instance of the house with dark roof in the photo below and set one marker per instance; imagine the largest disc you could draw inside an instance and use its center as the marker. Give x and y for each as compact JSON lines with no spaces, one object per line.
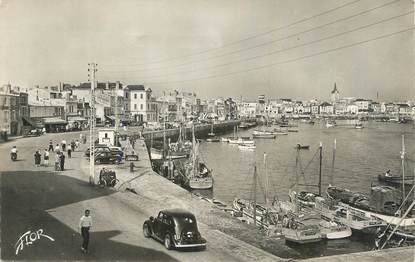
{"x":326,"y":108}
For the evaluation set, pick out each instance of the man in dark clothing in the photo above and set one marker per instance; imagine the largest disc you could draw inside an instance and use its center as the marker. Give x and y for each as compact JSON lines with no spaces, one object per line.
{"x":85,"y":224}
{"x":62,"y":161}
{"x":69,"y":153}
{"x":50,"y":146}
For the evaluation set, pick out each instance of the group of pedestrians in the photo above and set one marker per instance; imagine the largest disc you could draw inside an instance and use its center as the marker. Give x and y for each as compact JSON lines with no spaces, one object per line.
{"x":59,"y":151}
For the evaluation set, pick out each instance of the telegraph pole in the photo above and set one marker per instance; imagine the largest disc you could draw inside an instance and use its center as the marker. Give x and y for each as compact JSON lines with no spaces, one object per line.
{"x":92,"y":69}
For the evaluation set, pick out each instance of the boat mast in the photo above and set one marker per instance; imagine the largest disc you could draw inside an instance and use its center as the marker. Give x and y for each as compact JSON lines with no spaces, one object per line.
{"x":194,"y":160}
{"x":403,"y":167}
{"x":255,"y":180}
{"x":266,"y":179}
{"x":332,"y":163}
{"x":319,"y":175}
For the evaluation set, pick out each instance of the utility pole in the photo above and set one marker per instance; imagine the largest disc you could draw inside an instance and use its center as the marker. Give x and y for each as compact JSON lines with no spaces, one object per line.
{"x":255,"y":181}
{"x":403,"y":167}
{"x":319,"y":175}
{"x":92,"y":69}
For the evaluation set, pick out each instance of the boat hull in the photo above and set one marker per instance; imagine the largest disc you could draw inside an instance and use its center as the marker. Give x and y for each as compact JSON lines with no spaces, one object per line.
{"x":266,"y":136}
{"x":201,"y":183}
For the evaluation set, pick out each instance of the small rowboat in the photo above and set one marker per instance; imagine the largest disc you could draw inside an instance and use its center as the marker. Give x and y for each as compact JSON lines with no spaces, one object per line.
{"x":299,"y":146}
{"x":247,"y":147}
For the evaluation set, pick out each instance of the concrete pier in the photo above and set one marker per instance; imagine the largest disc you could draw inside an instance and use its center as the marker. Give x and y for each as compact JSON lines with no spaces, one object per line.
{"x":201,"y":130}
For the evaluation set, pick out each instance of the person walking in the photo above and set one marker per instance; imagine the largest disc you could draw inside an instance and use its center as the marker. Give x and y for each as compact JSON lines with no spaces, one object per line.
{"x":46,"y":158}
{"x":50,"y":146}
{"x":73,"y":146}
{"x":63,"y":145}
{"x":37,"y":156}
{"x":57,"y":148}
{"x":62,"y":161}
{"x":57,"y":161}
{"x":69,"y":152}
{"x":77,"y":144}
{"x":85,"y":224}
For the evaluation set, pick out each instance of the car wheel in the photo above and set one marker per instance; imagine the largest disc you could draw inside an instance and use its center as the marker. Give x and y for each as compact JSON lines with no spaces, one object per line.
{"x":167,"y":242}
{"x":146,"y":231}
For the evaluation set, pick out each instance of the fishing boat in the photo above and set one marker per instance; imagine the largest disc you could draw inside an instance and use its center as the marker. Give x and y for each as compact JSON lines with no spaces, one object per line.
{"x":263,"y":134}
{"x":244,"y":125}
{"x":384,"y":202}
{"x":350,"y":217}
{"x":246,"y":141}
{"x":394,"y":179}
{"x":330,"y":123}
{"x":213,"y":139}
{"x":247,"y":147}
{"x":302,"y":234}
{"x":279,"y":131}
{"x":266,"y":136}
{"x":260,"y":214}
{"x":299,"y":146}
{"x":199,"y":175}
{"x":334,"y":230}
{"x":235,"y":139}
{"x":158,"y":155}
{"x":358,"y":126}
{"x":211,"y":134}
{"x":225,"y":139}
{"x":305,"y":198}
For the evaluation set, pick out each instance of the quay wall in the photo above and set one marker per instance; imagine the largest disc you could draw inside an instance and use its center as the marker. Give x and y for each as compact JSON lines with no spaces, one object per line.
{"x":201,"y":130}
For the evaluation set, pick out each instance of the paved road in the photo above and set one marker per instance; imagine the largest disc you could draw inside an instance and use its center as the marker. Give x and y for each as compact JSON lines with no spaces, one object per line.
{"x":36,"y":198}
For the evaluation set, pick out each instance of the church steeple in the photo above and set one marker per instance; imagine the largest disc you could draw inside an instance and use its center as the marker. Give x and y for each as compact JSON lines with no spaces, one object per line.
{"x":335,"y":95}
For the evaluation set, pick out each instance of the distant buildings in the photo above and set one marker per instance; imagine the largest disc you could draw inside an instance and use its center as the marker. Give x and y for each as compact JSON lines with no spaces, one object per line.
{"x":13,"y":109}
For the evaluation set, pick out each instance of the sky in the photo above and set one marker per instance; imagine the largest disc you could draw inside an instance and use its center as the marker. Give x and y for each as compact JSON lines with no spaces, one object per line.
{"x":216,"y":48}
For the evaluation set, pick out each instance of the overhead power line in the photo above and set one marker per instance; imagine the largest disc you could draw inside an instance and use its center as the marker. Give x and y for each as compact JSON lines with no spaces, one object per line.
{"x":247,"y":38}
{"x":284,"y":49}
{"x":258,"y":45}
{"x":286,"y":61}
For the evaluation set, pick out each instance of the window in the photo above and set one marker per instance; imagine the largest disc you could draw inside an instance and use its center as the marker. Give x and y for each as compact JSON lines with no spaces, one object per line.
{"x":141,"y":106}
{"x":141,"y":96}
{"x":135,"y":106}
{"x":135,"y":96}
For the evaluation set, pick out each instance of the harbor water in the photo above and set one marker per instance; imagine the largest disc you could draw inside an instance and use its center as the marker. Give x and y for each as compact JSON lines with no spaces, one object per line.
{"x":360,"y":156}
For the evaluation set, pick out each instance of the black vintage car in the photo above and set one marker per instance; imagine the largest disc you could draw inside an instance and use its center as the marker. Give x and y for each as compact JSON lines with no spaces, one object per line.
{"x":176,"y":228}
{"x":105,"y":158}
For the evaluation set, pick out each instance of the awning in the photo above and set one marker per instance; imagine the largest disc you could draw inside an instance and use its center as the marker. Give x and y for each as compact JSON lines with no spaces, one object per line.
{"x":31,"y":122}
{"x":110,"y":117}
{"x":54,"y":121}
{"x":76,"y":119}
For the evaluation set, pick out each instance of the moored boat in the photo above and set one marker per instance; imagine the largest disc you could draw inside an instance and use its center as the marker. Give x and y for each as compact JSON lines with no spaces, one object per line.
{"x":302,"y":234}
{"x":158,"y":155}
{"x":333,"y":230}
{"x":268,"y":136}
{"x":213,"y":139}
{"x":299,"y":146}
{"x":246,"y":147}
{"x":224,"y":139}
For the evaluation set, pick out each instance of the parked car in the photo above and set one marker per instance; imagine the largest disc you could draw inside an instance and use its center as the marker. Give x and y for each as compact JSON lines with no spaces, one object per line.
{"x":176,"y":228}
{"x":98,"y":148}
{"x":105,"y":158}
{"x":115,"y":150}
